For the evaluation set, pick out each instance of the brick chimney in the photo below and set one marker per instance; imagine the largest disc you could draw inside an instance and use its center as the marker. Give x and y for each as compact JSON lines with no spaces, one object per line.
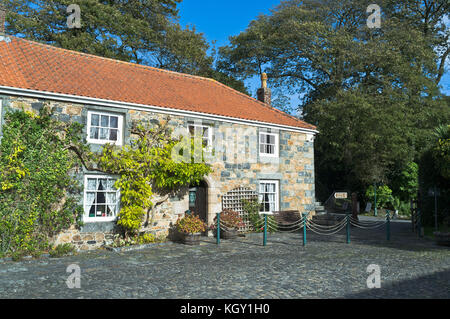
{"x":264,"y":93}
{"x":2,"y":19}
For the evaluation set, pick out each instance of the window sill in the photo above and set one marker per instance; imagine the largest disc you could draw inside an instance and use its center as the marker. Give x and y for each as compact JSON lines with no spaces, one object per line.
{"x":102,"y":142}
{"x":90,"y":220}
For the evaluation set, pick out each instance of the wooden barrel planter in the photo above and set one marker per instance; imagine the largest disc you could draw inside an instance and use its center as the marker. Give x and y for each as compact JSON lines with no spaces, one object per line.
{"x":229,"y":234}
{"x":191,"y":239}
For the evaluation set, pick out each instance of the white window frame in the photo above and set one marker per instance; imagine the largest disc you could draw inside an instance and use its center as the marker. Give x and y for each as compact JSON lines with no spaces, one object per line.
{"x":119,"y":141}
{"x":210,"y":133}
{"x":276,"y":145}
{"x":277,"y":193}
{"x":86,"y":218}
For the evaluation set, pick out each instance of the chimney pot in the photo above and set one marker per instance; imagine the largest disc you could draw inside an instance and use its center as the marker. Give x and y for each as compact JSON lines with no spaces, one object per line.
{"x":264,"y":93}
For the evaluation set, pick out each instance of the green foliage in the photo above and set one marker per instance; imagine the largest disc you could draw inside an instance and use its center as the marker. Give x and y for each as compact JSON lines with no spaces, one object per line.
{"x":406,"y":184}
{"x":441,"y":150}
{"x":146,"y":167}
{"x":62,"y":250}
{"x":372,"y":93}
{"x":252,"y":208}
{"x":384,"y":195}
{"x":141,"y":239}
{"x":36,"y":195}
{"x":190,"y":224}
{"x":402,"y":207}
{"x":433,"y":168}
{"x":144,"y":32}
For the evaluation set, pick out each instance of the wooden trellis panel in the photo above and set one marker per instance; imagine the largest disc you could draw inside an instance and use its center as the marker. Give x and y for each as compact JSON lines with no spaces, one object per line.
{"x":233,"y":200}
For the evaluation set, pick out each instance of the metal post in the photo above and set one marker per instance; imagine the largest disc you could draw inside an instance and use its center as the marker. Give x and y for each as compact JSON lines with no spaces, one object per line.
{"x":348,"y":229}
{"x":218,"y":228}
{"x":304,"y":229}
{"x":419,"y":216}
{"x":375,"y":189}
{"x":388,"y":226}
{"x":265,"y":230}
{"x":436,"y":226}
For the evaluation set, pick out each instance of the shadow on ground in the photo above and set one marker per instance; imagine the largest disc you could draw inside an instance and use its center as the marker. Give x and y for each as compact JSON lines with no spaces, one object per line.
{"x":408,"y":289}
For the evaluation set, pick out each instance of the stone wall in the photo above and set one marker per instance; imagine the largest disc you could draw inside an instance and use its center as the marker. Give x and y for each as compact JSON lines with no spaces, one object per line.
{"x":236,"y":163}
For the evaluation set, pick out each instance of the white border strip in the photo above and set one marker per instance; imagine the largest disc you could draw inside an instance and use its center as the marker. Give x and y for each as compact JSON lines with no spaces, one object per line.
{"x":141,"y":107}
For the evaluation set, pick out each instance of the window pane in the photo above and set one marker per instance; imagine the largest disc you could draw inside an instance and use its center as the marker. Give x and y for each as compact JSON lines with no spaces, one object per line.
{"x":262,"y":138}
{"x":271,"y":139}
{"x":272,"y":207}
{"x":206,"y":132}
{"x":113,"y":134}
{"x":91,"y":184}
{"x":104,"y":133}
{"x":101,"y":211}
{"x":110,"y":184}
{"x":90,"y":199}
{"x":95,"y":119}
{"x":111,"y":199}
{"x":102,"y":184}
{"x":94,"y":133}
{"x":105,"y":121}
{"x":114,"y":122}
{"x":92,"y":211}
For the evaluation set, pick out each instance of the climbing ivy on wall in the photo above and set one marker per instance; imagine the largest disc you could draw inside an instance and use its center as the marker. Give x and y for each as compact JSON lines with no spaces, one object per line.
{"x":148,"y":172}
{"x":37,"y":189}
{"x":39,"y":156}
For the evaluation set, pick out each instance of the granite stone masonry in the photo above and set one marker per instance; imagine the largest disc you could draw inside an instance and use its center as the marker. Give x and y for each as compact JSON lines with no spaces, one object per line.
{"x":236,"y":162}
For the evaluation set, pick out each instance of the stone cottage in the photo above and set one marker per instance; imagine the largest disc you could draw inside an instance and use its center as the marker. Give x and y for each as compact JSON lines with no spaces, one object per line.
{"x":257,"y":149}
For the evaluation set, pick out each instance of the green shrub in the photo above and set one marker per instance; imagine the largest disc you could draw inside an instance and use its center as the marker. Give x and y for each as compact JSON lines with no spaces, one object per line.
{"x":36,"y":184}
{"x":142,"y":239}
{"x":252,"y":207}
{"x":62,"y":250}
{"x":384,"y":195}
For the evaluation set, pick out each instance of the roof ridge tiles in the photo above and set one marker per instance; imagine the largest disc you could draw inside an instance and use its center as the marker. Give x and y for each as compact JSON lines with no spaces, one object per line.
{"x":204,"y":99}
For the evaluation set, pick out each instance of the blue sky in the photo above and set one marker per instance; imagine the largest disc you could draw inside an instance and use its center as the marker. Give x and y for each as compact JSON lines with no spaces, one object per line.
{"x":218,"y":20}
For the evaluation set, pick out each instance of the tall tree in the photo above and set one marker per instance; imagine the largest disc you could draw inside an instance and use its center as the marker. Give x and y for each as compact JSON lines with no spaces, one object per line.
{"x":372,"y":92}
{"x":141,"y":31}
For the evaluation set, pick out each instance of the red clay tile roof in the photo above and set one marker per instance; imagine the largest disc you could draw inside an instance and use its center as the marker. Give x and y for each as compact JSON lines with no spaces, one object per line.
{"x":30,"y":65}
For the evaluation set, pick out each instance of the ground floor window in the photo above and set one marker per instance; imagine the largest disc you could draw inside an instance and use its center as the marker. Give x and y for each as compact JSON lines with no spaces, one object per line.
{"x":269,"y":196}
{"x":101,"y":199}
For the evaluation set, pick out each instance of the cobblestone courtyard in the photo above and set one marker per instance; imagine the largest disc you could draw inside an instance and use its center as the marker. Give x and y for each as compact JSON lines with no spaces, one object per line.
{"x":326,"y":268}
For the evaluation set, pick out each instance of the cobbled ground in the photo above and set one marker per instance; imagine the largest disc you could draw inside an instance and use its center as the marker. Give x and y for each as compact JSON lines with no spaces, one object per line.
{"x":327,"y":267}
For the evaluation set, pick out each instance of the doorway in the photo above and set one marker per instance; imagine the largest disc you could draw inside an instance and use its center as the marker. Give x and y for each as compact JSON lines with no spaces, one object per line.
{"x":198,"y":200}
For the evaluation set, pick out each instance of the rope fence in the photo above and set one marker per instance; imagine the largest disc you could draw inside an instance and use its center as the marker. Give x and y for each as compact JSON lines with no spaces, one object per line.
{"x":304,"y":223}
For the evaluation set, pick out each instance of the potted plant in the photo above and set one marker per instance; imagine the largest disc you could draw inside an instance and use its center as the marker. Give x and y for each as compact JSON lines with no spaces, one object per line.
{"x":190,"y":228}
{"x":230,"y":222}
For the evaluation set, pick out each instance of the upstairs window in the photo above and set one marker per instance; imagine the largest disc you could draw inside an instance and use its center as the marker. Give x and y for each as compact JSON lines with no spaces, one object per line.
{"x":205,"y":132}
{"x":104,"y":128}
{"x":268,"y":144}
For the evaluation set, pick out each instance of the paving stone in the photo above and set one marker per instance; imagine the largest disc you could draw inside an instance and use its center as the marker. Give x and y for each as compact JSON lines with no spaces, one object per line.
{"x":243,"y":268}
